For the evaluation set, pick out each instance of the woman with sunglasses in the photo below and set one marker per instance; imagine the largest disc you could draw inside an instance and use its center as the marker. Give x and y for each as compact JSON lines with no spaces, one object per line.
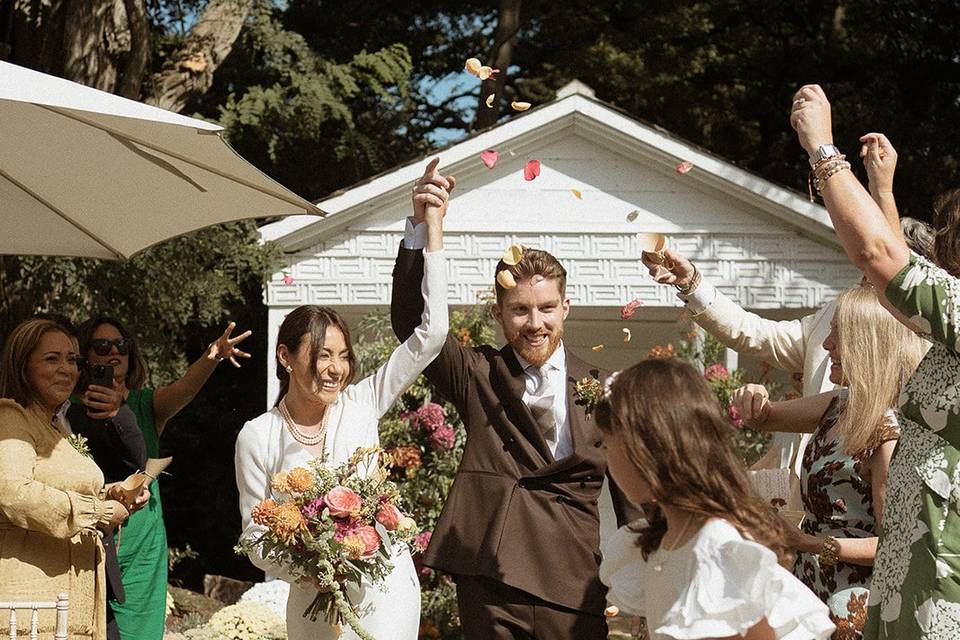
{"x":143,"y":554}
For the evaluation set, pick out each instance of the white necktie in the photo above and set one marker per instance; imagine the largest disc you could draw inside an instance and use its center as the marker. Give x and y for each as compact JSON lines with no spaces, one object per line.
{"x":541,"y":405}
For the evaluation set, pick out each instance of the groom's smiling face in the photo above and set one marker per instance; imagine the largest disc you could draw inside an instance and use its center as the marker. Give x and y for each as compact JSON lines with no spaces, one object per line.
{"x":532,"y":315}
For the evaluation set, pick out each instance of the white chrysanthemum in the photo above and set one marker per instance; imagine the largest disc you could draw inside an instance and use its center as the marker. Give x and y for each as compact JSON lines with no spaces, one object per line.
{"x":272,"y":594}
{"x":248,"y":621}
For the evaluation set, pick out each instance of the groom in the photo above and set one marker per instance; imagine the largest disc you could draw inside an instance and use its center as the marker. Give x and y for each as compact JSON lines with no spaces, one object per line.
{"x":520,"y":529}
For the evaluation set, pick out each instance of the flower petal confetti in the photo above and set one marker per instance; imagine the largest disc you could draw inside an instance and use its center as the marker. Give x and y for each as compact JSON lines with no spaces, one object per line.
{"x":512,"y":255}
{"x":651,"y":242}
{"x":287,"y":278}
{"x":612,"y":611}
{"x":472,"y":65}
{"x":633,"y":215}
{"x":532,"y":170}
{"x":684,"y":167}
{"x":484,"y":72}
{"x":626,"y":334}
{"x":627,"y":310}
{"x":505,"y":279}
{"x":489,"y":100}
{"x":577,"y":193}
{"x":489,"y":158}
{"x":494,"y":74}
{"x":597,"y":348}
{"x":520,"y":106}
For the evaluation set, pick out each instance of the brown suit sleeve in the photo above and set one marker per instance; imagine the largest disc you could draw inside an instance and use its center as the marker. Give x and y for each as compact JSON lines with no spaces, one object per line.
{"x":450,"y":371}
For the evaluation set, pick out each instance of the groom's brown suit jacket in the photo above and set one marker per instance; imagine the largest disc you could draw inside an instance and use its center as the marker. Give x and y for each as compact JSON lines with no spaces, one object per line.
{"x":514,"y":513}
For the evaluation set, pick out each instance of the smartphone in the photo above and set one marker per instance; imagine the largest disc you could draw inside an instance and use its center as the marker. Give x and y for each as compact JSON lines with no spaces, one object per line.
{"x":101,"y":375}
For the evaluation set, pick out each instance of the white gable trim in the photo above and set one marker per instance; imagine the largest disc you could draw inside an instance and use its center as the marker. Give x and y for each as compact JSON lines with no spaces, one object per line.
{"x":594,"y":119}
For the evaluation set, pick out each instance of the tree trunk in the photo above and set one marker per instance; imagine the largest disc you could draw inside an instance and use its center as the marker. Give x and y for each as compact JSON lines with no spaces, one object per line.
{"x":95,"y":36}
{"x":136,"y":66}
{"x":508,"y":22}
{"x":189,"y":71}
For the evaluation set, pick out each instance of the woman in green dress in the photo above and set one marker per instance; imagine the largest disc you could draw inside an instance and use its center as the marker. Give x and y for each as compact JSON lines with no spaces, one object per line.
{"x":915,"y":592}
{"x":142,"y":553}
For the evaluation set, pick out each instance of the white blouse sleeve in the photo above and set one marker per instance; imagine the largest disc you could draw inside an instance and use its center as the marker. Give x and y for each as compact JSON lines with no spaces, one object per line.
{"x":622,"y":570}
{"x":253,"y":484}
{"x":381,"y":389}
{"x":734,"y":584}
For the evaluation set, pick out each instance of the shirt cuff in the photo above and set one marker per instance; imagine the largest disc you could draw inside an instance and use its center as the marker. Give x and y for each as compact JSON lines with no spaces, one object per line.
{"x":414,"y":235}
{"x":700,"y":299}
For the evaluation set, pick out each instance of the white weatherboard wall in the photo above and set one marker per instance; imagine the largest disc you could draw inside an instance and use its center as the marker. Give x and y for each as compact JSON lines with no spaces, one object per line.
{"x":765,"y":246}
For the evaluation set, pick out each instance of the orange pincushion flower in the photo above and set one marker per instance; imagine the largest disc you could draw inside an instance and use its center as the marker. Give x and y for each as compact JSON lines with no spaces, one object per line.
{"x":263,"y":512}
{"x":287,"y":522}
{"x":354,"y":546}
{"x":299,"y":480}
{"x":405,"y":457}
{"x":279,"y":482}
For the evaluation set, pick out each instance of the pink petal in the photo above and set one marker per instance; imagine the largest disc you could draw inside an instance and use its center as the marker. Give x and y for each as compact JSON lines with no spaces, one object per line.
{"x":287,"y":279}
{"x":684,"y":167}
{"x":627,"y":311}
{"x":532,"y":170}
{"x":489,"y":158}
{"x":494,"y":74}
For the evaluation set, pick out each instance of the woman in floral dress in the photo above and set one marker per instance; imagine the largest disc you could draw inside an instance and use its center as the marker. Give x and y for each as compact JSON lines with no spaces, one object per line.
{"x":844,"y":469}
{"x":916,"y":585}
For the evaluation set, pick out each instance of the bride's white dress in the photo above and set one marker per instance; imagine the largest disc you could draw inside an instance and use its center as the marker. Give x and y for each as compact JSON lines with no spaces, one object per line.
{"x":265,"y":447}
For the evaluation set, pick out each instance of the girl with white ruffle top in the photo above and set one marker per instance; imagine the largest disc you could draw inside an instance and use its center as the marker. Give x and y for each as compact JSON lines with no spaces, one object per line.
{"x":705,"y":565}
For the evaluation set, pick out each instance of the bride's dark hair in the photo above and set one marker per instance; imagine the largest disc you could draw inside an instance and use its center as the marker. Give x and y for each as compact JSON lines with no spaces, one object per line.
{"x":679,"y":440}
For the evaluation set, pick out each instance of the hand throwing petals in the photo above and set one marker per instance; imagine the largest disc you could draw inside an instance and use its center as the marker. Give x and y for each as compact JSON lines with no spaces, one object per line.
{"x":489,"y":158}
{"x":532,"y":170}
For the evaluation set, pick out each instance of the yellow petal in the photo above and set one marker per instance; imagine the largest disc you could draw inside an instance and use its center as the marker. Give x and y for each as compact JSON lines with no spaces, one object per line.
{"x":520,"y":106}
{"x":597,"y":348}
{"x":512,"y":254}
{"x":633,"y":215}
{"x":484,"y":72}
{"x":627,"y":335}
{"x":489,"y":100}
{"x":577,"y":193}
{"x":611,"y":611}
{"x":651,"y":242}
{"x":472,"y":65}
{"x":505,"y":279}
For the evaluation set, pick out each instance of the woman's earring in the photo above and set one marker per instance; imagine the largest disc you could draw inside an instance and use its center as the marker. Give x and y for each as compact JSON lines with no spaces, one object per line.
{"x":289,"y":369}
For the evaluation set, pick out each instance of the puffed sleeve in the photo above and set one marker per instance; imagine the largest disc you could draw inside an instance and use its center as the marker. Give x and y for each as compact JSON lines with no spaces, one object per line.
{"x":930,"y":297}
{"x":734,"y":584}
{"x":381,"y":389}
{"x":253,"y":485}
{"x":622,"y":570}
{"x":29,"y":503}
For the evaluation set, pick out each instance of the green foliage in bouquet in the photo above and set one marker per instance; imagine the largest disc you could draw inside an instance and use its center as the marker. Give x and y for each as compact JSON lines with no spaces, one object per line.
{"x":424,"y":438}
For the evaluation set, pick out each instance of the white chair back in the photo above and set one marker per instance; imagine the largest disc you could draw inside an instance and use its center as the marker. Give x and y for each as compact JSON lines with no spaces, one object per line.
{"x":61,"y":605}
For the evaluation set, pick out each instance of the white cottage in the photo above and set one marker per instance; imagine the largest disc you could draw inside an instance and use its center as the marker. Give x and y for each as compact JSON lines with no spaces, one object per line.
{"x":764,"y":245}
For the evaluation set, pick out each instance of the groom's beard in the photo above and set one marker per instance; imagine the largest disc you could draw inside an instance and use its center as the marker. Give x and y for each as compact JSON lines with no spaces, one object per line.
{"x":536,"y":356}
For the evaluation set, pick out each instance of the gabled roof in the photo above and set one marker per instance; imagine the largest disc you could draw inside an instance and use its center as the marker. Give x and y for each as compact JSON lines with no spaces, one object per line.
{"x":576,"y":108}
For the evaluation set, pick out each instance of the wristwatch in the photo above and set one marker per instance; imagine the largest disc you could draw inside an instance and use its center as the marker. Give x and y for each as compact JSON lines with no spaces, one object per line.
{"x":823,"y":152}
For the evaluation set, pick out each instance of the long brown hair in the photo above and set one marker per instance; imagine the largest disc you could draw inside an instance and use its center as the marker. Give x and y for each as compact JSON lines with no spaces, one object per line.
{"x":312,"y":320}
{"x":679,"y":440}
{"x":20,"y":343}
{"x":946,"y":222}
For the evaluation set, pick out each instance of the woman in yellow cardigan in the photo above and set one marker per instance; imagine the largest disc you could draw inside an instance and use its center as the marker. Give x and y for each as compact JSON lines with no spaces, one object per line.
{"x":52,"y":497}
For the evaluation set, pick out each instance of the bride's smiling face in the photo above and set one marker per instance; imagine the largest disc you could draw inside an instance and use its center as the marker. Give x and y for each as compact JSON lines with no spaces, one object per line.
{"x":332,"y":366}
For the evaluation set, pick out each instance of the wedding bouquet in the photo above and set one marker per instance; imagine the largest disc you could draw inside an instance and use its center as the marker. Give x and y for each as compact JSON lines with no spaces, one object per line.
{"x":333,"y":528}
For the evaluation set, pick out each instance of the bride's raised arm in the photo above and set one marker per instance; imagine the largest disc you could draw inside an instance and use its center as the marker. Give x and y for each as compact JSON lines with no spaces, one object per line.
{"x":381,"y":389}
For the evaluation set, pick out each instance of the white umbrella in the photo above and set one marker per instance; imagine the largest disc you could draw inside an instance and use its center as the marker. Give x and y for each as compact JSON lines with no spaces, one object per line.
{"x":88,"y":173}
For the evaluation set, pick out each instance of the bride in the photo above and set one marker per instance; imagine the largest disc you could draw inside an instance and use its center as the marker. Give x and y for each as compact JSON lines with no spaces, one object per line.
{"x":321,"y":410}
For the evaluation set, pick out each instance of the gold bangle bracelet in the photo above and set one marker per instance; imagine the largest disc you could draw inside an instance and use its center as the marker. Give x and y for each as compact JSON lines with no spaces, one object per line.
{"x":829,"y":552}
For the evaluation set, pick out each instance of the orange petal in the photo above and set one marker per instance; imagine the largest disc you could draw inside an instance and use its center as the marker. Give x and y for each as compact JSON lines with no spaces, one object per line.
{"x":626,"y":334}
{"x":484,"y":72}
{"x":505,"y":279}
{"x":512,"y":255}
{"x":489,"y":100}
{"x":520,"y":106}
{"x":612,"y":611}
{"x":472,"y":65}
{"x":577,"y":193}
{"x":597,"y":348}
{"x":684,"y":167}
{"x":531,"y":170}
{"x":633,"y":215}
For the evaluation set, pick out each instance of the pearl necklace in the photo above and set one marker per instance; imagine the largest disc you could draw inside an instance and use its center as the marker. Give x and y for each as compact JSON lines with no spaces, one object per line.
{"x":300,"y":436}
{"x":658,"y":567}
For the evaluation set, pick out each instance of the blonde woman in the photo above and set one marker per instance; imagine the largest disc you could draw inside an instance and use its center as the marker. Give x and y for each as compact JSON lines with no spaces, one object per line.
{"x":845,"y":465}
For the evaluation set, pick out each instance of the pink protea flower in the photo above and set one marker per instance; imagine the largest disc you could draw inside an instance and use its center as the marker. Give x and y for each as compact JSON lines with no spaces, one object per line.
{"x":313,"y":508}
{"x":344,"y":529}
{"x":443,"y":438}
{"x":716,"y":372}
